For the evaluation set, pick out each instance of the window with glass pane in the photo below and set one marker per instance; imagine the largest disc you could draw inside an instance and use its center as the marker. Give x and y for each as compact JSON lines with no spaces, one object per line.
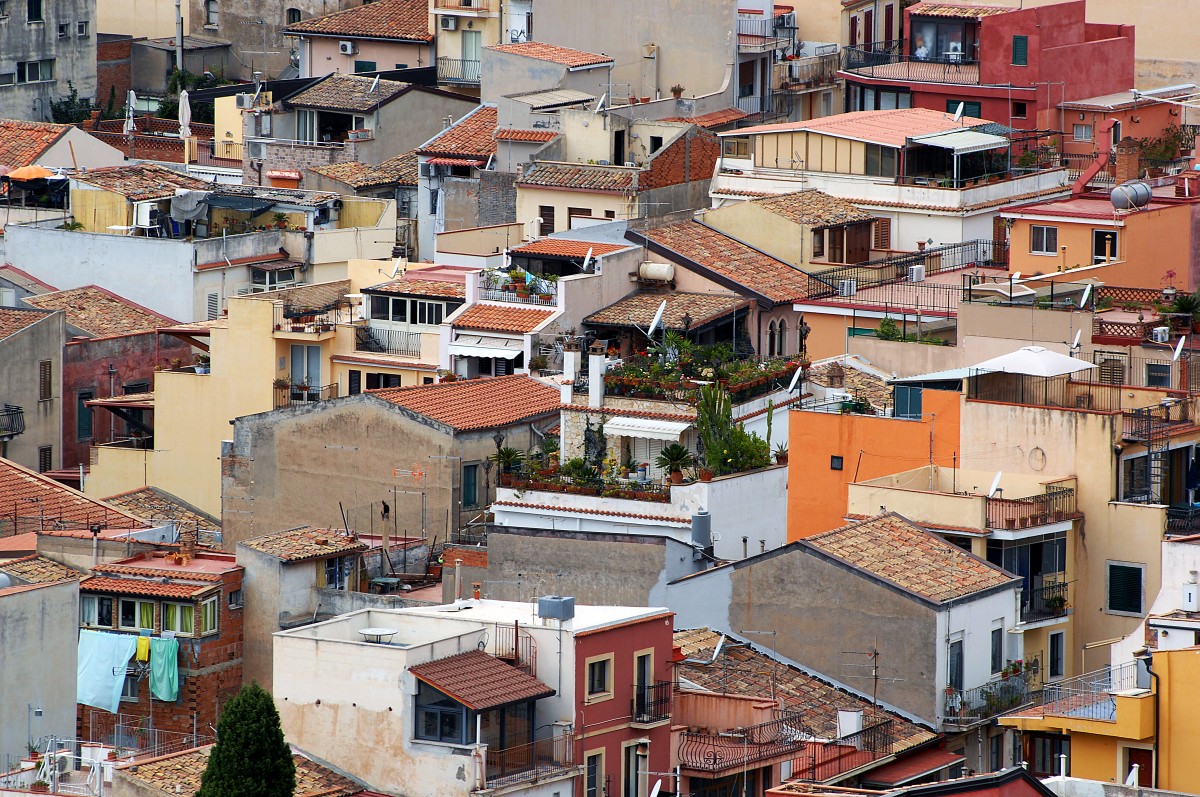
{"x":96,"y":611}
{"x":439,"y":717}
{"x":595,"y":775}
{"x":598,"y":677}
{"x":380,"y":308}
{"x":129,"y":689}
{"x":997,"y":649}
{"x":470,"y":482}
{"x":1125,"y":588}
{"x":180,"y":618}
{"x":1043,"y":240}
{"x":399,"y":309}
{"x":208,"y":616}
{"x":1057,"y":654}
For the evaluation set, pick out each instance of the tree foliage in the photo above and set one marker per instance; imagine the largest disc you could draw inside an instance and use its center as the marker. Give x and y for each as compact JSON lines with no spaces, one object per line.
{"x":250,"y":758}
{"x":728,"y":447}
{"x":70,"y":110}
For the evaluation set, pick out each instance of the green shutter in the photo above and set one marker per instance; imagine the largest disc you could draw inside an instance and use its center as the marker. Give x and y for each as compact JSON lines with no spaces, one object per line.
{"x":1020,"y":51}
{"x":1124,"y":588}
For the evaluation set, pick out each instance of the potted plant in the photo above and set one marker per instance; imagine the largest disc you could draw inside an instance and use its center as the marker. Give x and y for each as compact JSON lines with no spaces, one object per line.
{"x":40,"y":787}
{"x":781,"y":453}
{"x":280,"y":219}
{"x":32,"y":749}
{"x":202,"y":363}
{"x":507,"y":459}
{"x":1056,"y":602}
{"x":704,"y":470}
{"x":538,"y":362}
{"x":673,"y":459}
{"x":1188,"y":304}
{"x":677,"y":90}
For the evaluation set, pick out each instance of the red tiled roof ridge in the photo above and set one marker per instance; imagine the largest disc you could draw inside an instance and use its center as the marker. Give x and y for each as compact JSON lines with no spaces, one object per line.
{"x":482,"y":403}
{"x":403,"y":20}
{"x":569,"y":247}
{"x":601,"y":512}
{"x":154,"y":572}
{"x":564,"y":56}
{"x":474,"y":134}
{"x":138,"y":586}
{"x":614,"y":411}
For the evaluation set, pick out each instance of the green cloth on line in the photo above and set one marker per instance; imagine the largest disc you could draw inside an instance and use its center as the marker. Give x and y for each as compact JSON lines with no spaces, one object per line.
{"x":164,"y":669}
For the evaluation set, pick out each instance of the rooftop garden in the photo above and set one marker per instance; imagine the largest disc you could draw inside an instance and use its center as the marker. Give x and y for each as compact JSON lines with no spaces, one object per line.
{"x":676,"y":369}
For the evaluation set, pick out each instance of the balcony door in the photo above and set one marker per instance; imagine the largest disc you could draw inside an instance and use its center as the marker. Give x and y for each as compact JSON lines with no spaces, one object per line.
{"x":472,"y":45}
{"x":956,"y":665}
{"x":306,"y":366}
{"x":643,"y":678}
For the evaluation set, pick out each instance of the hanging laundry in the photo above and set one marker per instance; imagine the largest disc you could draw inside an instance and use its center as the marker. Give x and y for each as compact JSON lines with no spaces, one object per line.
{"x":1193,"y":475}
{"x":100,"y":673}
{"x":164,"y":669}
{"x":143,"y":648}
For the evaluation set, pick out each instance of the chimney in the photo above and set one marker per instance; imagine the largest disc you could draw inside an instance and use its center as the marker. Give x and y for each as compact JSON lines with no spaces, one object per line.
{"x":187,"y":541}
{"x":596,"y":369}
{"x":1128,"y":166}
{"x":476,"y":586}
{"x":458,"y":578}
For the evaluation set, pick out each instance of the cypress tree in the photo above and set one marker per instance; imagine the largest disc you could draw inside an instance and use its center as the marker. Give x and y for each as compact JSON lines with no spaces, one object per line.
{"x":250,"y":758}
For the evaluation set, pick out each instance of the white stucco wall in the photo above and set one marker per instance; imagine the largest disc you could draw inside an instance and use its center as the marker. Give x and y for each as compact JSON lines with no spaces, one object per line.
{"x":975,"y":620}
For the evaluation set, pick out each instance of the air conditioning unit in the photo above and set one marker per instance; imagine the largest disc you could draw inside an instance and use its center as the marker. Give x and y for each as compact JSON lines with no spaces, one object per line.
{"x":916,"y":273}
{"x":245,"y":101}
{"x":448,"y":23}
{"x":847,"y":287}
{"x":1160,"y":334}
{"x":347,"y":48}
{"x":425,"y":170}
{"x":630,"y":165}
{"x":256,"y":150}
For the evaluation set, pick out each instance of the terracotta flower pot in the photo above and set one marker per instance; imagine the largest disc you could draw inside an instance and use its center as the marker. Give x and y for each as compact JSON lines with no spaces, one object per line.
{"x":676,"y":477}
{"x":706,"y":474}
{"x":781,"y":459}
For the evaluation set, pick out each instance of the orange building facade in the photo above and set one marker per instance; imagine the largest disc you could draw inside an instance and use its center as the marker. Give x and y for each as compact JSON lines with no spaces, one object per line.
{"x":829,"y":451}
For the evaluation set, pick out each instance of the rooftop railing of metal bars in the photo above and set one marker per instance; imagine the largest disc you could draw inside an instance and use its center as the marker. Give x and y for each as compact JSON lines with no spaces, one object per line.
{"x":12,"y":420}
{"x":1090,"y":696}
{"x":968,"y":706}
{"x":807,"y":72}
{"x":387,"y":341}
{"x":1117,"y":368}
{"x":296,"y":395}
{"x":513,"y":297}
{"x":1037,"y":391}
{"x":943,"y":68}
{"x":1183,"y":521}
{"x":821,"y":761}
{"x":895,"y":267}
{"x":457,"y":70}
{"x":714,"y":752}
{"x":1052,"y":506}
{"x":996,"y":289}
{"x":531,"y":763}
{"x":293,"y":318}
{"x":651,"y":702}
{"x":1045,"y":602}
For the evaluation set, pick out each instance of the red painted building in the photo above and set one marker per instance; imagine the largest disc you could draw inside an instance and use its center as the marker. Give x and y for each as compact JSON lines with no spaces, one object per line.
{"x":194,"y":596}
{"x":1008,"y":65}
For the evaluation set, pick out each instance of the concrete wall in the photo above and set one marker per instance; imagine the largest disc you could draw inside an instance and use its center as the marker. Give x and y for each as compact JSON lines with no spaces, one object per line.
{"x":20,"y":355}
{"x":320,"y":55}
{"x":821,"y":609}
{"x":504,"y":73}
{"x":38,"y":645}
{"x":141,"y":18}
{"x":78,"y":149}
{"x":74,"y":56}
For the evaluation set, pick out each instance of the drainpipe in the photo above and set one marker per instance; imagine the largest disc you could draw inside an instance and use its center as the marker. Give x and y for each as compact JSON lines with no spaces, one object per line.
{"x":1145,"y":656}
{"x":457,"y":579}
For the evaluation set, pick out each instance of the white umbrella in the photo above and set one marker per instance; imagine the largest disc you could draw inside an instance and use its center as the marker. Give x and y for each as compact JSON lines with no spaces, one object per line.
{"x":185,"y":115}
{"x":1034,"y":361}
{"x":130,"y":101}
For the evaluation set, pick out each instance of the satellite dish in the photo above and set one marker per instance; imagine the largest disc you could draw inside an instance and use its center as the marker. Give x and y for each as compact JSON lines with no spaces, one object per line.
{"x":1179,"y":348}
{"x":1075,"y":345}
{"x":1083,"y":299}
{"x":1016,"y":276}
{"x":958,"y":112}
{"x":657,"y":788}
{"x":587,"y":260}
{"x":795,"y":379}
{"x":374,"y":85}
{"x":600,"y":104}
{"x":662,"y":308}
{"x":995,"y":484}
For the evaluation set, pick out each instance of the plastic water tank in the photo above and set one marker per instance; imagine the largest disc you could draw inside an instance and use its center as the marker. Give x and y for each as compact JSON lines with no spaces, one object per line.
{"x":664,"y":272}
{"x":1130,"y":195}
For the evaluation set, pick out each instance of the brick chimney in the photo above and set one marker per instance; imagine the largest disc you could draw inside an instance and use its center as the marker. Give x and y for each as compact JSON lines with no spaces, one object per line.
{"x":1129,"y":155}
{"x":187,"y":540}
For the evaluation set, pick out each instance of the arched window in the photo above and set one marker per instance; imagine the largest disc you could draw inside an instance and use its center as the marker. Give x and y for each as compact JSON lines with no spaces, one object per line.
{"x":211,"y":12}
{"x":771,"y":339}
{"x":293,"y":16}
{"x":781,"y":343}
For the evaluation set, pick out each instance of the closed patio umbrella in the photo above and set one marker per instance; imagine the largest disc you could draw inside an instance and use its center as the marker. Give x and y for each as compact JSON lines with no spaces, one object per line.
{"x":185,"y":115}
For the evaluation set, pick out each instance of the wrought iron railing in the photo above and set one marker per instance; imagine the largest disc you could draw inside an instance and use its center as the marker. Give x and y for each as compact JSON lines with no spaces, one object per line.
{"x":822,"y":761}
{"x":457,"y":70}
{"x":798,"y":74}
{"x":1089,"y":696}
{"x":762,"y":34}
{"x":715,"y":752}
{"x":12,"y":420}
{"x":516,"y":647}
{"x":651,"y":702}
{"x":593,"y":486}
{"x":1052,"y":506}
{"x":217,"y":153}
{"x":1044,"y":603}
{"x":531,"y":763}
{"x":968,"y":706}
{"x":388,"y":341}
{"x":290,"y":318}
{"x":464,"y":5}
{"x":895,"y":267}
{"x":1183,"y":521}
{"x":303,"y":394}
{"x":954,"y":68}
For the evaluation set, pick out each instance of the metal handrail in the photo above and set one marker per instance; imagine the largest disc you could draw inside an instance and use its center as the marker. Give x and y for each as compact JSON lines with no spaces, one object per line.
{"x":714,"y":752}
{"x":651,"y":702}
{"x":12,"y":420}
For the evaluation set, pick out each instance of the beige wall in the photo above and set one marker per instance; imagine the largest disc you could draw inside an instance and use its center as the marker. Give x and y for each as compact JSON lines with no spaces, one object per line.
{"x":531,"y":198}
{"x":98,"y":210}
{"x":810,"y":151}
{"x":325,"y":56}
{"x":775,"y":235}
{"x":138,"y":18}
{"x":481,"y":241}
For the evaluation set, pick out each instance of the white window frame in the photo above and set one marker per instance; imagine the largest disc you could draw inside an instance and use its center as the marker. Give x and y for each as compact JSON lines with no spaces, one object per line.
{"x":130,"y":695}
{"x":91,"y":619}
{"x":1042,"y":251}
{"x":137,"y":613}
{"x":189,"y":631}
{"x":1080,"y":128}
{"x":212,"y":13}
{"x":213,"y":603}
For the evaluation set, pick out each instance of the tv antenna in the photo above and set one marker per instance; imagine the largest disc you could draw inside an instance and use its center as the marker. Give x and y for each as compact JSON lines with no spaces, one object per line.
{"x":873,"y":654}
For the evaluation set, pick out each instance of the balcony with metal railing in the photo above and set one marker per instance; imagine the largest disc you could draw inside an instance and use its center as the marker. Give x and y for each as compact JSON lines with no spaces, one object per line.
{"x":382,"y":340}
{"x":1047,"y":602}
{"x":214,"y":152}
{"x":806,"y":74}
{"x":301,"y":394}
{"x":464,"y":6}
{"x":12,"y":421}
{"x":891,"y":64}
{"x":457,"y":70}
{"x":762,"y":35}
{"x":552,"y":758}
{"x":1118,"y":699}
{"x":783,"y":737}
{"x":297,"y":322}
{"x":966,"y":707}
{"x":651,"y":703}
{"x":1055,"y":505}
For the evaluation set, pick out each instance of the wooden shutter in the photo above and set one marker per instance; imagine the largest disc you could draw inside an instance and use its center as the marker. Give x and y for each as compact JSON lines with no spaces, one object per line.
{"x":1124,"y":588}
{"x":213,"y":309}
{"x":45,"y":380}
{"x":854,"y":31}
{"x":45,"y":458}
{"x":883,"y":234}
{"x":889,"y":13}
{"x":1020,"y":51}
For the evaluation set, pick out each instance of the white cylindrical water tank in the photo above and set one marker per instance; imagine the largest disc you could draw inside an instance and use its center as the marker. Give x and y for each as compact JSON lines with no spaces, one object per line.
{"x":664,"y":272}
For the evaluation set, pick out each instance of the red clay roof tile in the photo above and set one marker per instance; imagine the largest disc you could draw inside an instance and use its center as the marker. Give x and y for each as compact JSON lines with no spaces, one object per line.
{"x":479,"y":681}
{"x":138,"y":586}
{"x":100,"y":312}
{"x":403,"y":20}
{"x":585,"y":177}
{"x":553,"y":53}
{"x":477,"y":403}
{"x":725,"y":116}
{"x":38,"y":570}
{"x":22,"y":143}
{"x":40,"y":501}
{"x":298,"y":545}
{"x":514,"y":134}
{"x":13,"y":320}
{"x":474,"y":134}
{"x":562,"y":247}
{"x":501,"y":318}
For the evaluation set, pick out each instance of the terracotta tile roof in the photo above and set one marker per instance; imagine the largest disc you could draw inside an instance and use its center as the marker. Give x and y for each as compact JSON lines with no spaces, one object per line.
{"x":502,"y":318}
{"x":731,"y":259}
{"x":553,"y":53}
{"x":13,"y":321}
{"x":744,"y":670}
{"x":404,"y":20}
{"x":179,"y":773}
{"x":889,"y":128}
{"x":580,"y":176}
{"x":138,"y":586}
{"x":400,"y":170}
{"x":562,"y":247}
{"x":891,"y":548}
{"x":249,"y":260}
{"x":299,"y":545}
{"x":22,"y":143}
{"x":840,"y":376}
{"x":140,"y":182}
{"x":477,"y":403}
{"x":957,"y":10}
{"x":38,"y":570}
{"x":320,"y":294}
{"x":624,"y":413}
{"x":474,"y":134}
{"x":639,"y":309}
{"x":725,"y":116}
{"x":479,"y":681}
{"x":162,"y":568}
{"x":514,"y":134}
{"x":100,"y":312}
{"x":813,"y":208}
{"x":457,"y":161}
{"x":26,"y":494}
{"x":288,"y":196}
{"x":340,"y":92}
{"x":10,"y":273}
{"x":384,"y":361}
{"x":418,"y":287}
{"x":578,"y":510}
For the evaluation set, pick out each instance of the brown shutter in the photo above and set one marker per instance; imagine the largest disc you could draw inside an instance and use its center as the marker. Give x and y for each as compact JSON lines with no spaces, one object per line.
{"x":45,"y":381}
{"x":883,"y":234}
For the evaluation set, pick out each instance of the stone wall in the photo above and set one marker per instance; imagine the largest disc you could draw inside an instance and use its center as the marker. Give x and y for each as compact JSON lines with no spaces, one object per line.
{"x":497,"y":198}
